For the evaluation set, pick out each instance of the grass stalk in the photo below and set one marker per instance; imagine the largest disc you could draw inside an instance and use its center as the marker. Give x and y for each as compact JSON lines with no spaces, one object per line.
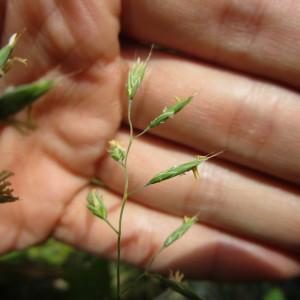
{"x":124,"y":199}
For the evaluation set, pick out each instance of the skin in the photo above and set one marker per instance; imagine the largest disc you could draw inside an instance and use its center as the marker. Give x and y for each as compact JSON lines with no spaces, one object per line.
{"x":239,"y":57}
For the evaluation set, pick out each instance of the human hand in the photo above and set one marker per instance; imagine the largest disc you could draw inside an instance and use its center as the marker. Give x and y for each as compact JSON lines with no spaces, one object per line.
{"x":249,"y":219}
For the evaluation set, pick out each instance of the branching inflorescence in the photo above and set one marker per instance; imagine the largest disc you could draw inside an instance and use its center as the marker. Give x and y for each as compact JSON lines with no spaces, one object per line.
{"x":15,"y":99}
{"x":120,"y":155}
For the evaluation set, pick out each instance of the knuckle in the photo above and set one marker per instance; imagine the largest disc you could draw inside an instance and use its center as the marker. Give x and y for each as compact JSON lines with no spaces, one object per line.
{"x":240,"y":22}
{"x":252,"y":124}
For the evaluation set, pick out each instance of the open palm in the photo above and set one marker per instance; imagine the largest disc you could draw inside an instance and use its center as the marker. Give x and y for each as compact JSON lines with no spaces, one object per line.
{"x":78,"y":42}
{"x":53,"y":164}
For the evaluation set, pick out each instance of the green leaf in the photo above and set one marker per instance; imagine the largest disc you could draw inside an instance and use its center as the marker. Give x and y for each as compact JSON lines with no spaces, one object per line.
{"x":274,"y":294}
{"x":178,"y":287}
{"x":5,"y":190}
{"x":170,"y":111}
{"x":15,"y":99}
{"x":178,"y":170}
{"x":180,"y":231}
{"x":52,"y":253}
{"x":96,"y":205}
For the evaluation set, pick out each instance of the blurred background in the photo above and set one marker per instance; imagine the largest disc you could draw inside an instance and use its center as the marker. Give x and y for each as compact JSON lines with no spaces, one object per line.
{"x":54,"y":270}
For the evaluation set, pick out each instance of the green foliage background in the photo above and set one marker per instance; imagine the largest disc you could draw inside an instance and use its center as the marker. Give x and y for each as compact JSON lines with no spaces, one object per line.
{"x":57,"y":271}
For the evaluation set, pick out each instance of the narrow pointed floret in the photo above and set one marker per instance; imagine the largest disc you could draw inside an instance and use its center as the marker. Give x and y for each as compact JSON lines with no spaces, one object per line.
{"x":170,"y":111}
{"x":7,"y":59}
{"x":116,"y":151}
{"x":7,"y":50}
{"x":180,"y":231}
{"x":178,"y":170}
{"x":14,"y":99}
{"x":96,"y":205}
{"x":135,"y":76}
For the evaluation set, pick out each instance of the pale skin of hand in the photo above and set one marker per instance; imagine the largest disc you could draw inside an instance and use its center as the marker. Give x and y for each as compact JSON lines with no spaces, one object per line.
{"x":248,"y":202}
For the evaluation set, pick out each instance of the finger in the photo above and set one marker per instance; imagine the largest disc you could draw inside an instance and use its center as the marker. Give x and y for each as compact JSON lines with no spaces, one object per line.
{"x":255,"y":123}
{"x":226,"y":197}
{"x":206,"y":252}
{"x":54,"y":44}
{"x":251,"y":35}
{"x":53,"y":38}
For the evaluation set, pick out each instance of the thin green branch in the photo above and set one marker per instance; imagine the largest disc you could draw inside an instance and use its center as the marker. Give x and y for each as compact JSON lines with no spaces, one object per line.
{"x":111,"y":226}
{"x":150,"y":263}
{"x":142,"y":132}
{"x":136,"y":190}
{"x":145,"y":273}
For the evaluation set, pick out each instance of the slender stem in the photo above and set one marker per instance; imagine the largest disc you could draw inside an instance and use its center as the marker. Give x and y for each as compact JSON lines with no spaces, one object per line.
{"x":136,"y":190}
{"x":152,"y":259}
{"x":145,"y":273}
{"x":141,"y":133}
{"x":124,"y":200}
{"x":111,"y":226}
